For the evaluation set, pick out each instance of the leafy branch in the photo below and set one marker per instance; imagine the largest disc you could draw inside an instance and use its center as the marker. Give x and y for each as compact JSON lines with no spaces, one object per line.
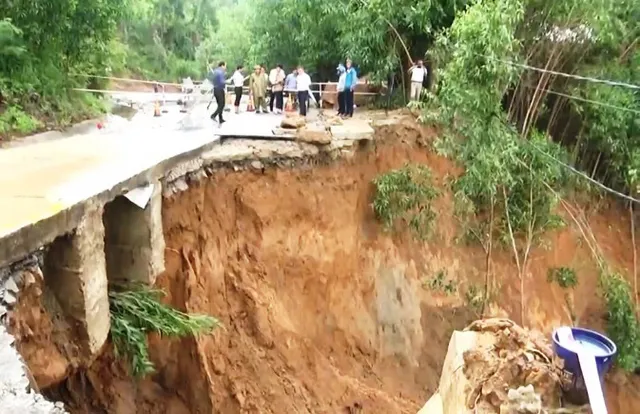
{"x":135,"y":313}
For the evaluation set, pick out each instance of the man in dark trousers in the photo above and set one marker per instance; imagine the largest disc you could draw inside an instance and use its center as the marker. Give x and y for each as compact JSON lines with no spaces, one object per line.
{"x":217,"y":78}
{"x":350,"y":82}
{"x":304,"y":86}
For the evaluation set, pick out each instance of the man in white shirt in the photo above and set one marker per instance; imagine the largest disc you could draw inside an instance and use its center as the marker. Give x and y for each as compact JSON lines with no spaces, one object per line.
{"x":418,"y":72}
{"x":238,"y":82}
{"x":276,"y":80}
{"x":303,"y":86}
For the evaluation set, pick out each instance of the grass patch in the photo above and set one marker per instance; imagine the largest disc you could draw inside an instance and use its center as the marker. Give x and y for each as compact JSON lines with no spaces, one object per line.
{"x":135,"y":313}
{"x":15,"y":120}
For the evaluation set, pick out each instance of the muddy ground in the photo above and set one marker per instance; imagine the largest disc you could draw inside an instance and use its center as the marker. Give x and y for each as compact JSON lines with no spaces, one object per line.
{"x":323,"y":311}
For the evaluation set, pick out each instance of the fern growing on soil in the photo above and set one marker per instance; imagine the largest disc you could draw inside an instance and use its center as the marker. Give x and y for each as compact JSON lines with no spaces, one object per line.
{"x":406,"y":194}
{"x":136,"y":312}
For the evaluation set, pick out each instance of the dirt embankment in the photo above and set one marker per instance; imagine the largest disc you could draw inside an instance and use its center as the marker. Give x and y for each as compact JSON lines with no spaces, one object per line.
{"x":323,"y":311}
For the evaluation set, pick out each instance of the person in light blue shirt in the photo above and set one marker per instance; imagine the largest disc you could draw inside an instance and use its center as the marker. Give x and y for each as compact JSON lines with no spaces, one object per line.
{"x":350,"y":82}
{"x":291,"y":85}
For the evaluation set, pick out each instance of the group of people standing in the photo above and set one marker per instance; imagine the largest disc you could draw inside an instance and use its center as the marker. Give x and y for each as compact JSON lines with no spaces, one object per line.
{"x":296,"y":84}
{"x":261,"y":86}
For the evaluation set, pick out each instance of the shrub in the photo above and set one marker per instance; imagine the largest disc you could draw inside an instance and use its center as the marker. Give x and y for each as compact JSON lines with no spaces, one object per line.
{"x":406,"y":194}
{"x":565,"y":277}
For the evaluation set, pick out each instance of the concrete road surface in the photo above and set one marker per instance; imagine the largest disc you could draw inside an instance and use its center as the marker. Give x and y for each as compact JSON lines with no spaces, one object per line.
{"x":42,"y":179}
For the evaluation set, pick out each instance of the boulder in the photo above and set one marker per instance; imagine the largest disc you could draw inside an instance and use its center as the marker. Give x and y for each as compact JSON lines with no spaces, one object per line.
{"x":293,"y":122}
{"x":314,"y":135}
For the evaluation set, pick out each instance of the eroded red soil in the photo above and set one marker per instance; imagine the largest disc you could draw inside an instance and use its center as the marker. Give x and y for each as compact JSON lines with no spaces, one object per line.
{"x":323,"y":311}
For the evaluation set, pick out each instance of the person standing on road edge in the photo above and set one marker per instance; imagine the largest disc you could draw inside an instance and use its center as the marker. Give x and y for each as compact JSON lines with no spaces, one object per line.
{"x":219,"y":85}
{"x":350,"y":82}
{"x":342,"y":74}
{"x":291,"y":85}
{"x":238,"y":82}
{"x":303,"y":85}
{"x":267,"y":90}
{"x":418,"y":74}
{"x":276,"y":79}
{"x":258,"y":89}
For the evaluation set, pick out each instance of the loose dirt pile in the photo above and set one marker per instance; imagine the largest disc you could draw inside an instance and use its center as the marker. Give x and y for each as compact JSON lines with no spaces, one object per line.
{"x":518,"y":358}
{"x":324,"y":311}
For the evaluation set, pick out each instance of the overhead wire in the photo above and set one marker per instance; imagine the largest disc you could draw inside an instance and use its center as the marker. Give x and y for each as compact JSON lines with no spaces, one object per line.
{"x":579,"y":98}
{"x":566,"y":75}
{"x":588,"y":79}
{"x":583,"y":175}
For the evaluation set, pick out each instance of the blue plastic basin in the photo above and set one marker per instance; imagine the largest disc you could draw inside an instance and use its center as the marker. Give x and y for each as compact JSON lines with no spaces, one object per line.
{"x":603,"y":348}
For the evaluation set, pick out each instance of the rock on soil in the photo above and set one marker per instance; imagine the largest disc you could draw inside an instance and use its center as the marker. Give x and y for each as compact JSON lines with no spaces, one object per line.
{"x":505,"y":370}
{"x":517,"y":358}
{"x":293,"y":122}
{"x":314,"y":135}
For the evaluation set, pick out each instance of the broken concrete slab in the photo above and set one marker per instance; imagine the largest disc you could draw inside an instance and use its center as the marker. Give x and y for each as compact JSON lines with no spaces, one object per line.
{"x":352,"y":130}
{"x":314,"y":134}
{"x":75,"y":271}
{"x":284,"y":149}
{"x":134,"y":242}
{"x":228,"y":153}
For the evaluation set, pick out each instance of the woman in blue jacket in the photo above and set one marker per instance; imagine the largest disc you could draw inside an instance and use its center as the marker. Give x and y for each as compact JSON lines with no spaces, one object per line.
{"x":350,"y":82}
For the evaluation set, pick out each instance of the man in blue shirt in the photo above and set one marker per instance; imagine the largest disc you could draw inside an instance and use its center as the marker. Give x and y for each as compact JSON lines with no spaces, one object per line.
{"x":350,"y":82}
{"x":291,"y":85}
{"x":217,"y":78}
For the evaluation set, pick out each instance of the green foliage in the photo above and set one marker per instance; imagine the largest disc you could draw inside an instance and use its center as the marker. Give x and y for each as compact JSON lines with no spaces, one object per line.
{"x":161,"y":38}
{"x":14,"y":119}
{"x":623,"y":326}
{"x":136,"y":313}
{"x":319,"y":34}
{"x":565,"y":277}
{"x":41,"y":42}
{"x":506,"y":176}
{"x":406,"y":194}
{"x":232,"y":40}
{"x":440,"y":283}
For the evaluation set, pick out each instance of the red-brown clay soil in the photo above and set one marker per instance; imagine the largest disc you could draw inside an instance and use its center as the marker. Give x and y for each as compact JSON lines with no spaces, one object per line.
{"x":323,"y":311}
